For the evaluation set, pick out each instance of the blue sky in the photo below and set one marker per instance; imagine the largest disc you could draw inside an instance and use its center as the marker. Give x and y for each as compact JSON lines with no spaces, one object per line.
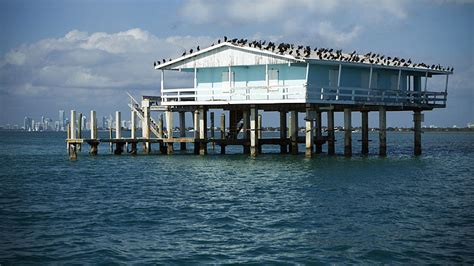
{"x":85,"y":54}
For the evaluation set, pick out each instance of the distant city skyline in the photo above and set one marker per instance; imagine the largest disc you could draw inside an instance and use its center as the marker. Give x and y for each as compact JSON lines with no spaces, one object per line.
{"x":63,"y":55}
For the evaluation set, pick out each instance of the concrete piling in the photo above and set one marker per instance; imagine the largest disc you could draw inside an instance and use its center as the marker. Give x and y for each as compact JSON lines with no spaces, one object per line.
{"x":347,"y":132}
{"x":222,"y":132}
{"x":309,"y":135}
{"x":169,"y":127}
{"x":331,"y":136}
{"x":294,"y":132}
{"x":283,"y":133}
{"x":93,"y":125}
{"x":253,"y":131}
{"x":212,"y":129}
{"x":146,"y":125}
{"x":203,"y":130}
{"x":182,"y":129}
{"x":246,"y":129}
{"x":259,"y":132}
{"x":417,"y":119}
{"x":365,"y":132}
{"x":319,"y":131}
{"x":382,"y":131}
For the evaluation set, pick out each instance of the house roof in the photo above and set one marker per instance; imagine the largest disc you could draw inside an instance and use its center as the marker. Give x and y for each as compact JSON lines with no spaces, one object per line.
{"x":290,"y":53}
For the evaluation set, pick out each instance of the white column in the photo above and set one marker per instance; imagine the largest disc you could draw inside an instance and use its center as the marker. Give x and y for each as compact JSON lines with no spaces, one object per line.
{"x":118,"y":126}
{"x":169,"y":123}
{"x":253,"y":131}
{"x":309,"y":132}
{"x":72,"y":124}
{"x":133,"y":118}
{"x":93,"y":123}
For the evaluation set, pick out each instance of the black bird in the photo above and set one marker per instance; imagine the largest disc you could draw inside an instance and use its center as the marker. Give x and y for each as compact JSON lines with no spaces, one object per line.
{"x":225,"y":38}
{"x":154,"y":64}
{"x":409,"y":61}
{"x":219,"y":41}
{"x":191,"y":51}
{"x":198,"y":48}
{"x":184,"y":53}
{"x":164,"y":60}
{"x":158,"y":62}
{"x":452,"y":69}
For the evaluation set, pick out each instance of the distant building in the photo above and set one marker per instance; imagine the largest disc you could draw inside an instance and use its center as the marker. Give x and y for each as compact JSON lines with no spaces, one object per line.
{"x":470,"y":125}
{"x":61,"y":120}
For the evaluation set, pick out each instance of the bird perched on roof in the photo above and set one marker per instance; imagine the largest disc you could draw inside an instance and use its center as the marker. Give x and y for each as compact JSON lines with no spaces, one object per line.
{"x":198,"y":48}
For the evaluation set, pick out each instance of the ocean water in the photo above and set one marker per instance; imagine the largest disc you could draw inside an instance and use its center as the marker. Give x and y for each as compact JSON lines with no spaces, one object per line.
{"x":191,"y":209}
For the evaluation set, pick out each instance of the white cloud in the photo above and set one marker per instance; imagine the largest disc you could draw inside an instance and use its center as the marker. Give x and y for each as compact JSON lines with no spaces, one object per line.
{"x":121,"y":60}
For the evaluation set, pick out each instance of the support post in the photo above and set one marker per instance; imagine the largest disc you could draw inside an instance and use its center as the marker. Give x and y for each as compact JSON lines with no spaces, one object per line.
{"x":72,"y":124}
{"x":283,"y":133}
{"x":417,"y":119}
{"x":196,"y":131}
{"x":79,"y":130}
{"x":347,"y":133}
{"x":246,"y":129}
{"x":203,"y":130}
{"x":133,"y":132}
{"x":146,"y":124}
{"x":161,"y":134}
{"x":382,"y":131}
{"x":222,"y":133}
{"x":319,"y":129}
{"x":169,"y":127}
{"x":118,"y":126}
{"x":212,"y":130}
{"x":259,"y":132}
{"x":253,"y":131}
{"x":365,"y":132}
{"x":294,"y":132}
{"x":182,"y":129}
{"x":331,"y":137}
{"x":93,"y":123}
{"x":309,"y":132}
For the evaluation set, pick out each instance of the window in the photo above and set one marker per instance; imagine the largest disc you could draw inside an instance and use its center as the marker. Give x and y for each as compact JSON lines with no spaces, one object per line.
{"x":333,"y":75}
{"x":365,"y":80}
{"x":393,"y":82}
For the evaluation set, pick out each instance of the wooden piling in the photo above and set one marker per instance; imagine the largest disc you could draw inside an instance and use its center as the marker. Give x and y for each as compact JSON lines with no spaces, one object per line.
{"x":246,"y":129}
{"x":319,"y":130}
{"x":182,"y":129}
{"x":212,"y":129}
{"x":253,"y":131}
{"x":222,"y":132}
{"x":365,"y":132}
{"x":382,"y":131}
{"x":347,"y":132}
{"x":294,"y":132}
{"x":417,"y":119}
{"x":331,"y":136}
{"x":169,"y":127}
{"x":283,"y":133}
{"x":309,"y":136}
{"x":197,"y":132}
{"x":203,"y":130}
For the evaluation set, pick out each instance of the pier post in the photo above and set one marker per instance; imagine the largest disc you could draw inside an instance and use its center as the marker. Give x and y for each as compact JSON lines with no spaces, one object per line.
{"x":294,"y":132}
{"x":259,"y":132}
{"x":133,"y":132}
{"x":79,"y":131}
{"x":160,"y":122}
{"x":212,"y":130}
{"x":309,"y":120}
{"x":331,"y":137}
{"x":253,"y":131}
{"x":146,"y":125}
{"x":203,"y":130}
{"x":118,"y":133}
{"x":72,"y":124}
{"x":118,"y":126}
{"x":169,"y":127}
{"x":417,"y":119}
{"x":319,"y":129}
{"x":382,"y":131}
{"x":365,"y":132}
{"x":246,"y":129}
{"x":222,"y":133}
{"x":182,"y":129}
{"x":196,"y":131}
{"x":93,"y":123}
{"x":347,"y":132}
{"x":283,"y":133}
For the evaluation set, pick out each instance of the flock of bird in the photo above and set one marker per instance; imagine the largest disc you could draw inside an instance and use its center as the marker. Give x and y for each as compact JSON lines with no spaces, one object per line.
{"x":300,"y":52}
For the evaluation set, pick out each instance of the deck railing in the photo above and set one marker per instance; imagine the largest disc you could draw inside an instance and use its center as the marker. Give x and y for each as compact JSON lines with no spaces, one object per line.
{"x":342,"y":95}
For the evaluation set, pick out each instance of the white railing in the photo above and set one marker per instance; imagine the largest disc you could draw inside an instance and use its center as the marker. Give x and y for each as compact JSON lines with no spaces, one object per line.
{"x":255,"y":93}
{"x":346,"y":95}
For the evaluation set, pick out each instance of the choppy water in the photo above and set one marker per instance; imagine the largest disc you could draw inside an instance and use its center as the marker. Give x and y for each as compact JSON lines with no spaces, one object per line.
{"x":236,"y":209}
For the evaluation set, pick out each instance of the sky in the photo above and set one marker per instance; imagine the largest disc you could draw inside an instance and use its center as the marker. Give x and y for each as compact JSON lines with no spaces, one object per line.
{"x":86,"y":55}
